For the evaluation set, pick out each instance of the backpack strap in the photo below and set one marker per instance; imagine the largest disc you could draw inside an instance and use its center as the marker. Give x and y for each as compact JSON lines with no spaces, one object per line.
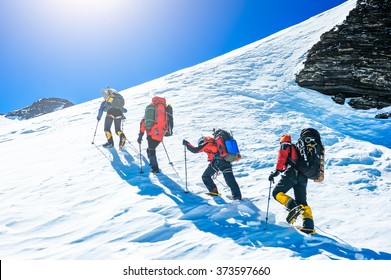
{"x":290,"y":161}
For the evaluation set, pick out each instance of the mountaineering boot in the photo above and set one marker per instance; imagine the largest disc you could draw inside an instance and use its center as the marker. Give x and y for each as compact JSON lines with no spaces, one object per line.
{"x":108,"y":145}
{"x":155,"y":169}
{"x":308,"y":226}
{"x":294,"y":213}
{"x":291,"y":204}
{"x":213,"y":192}
{"x":308,"y":221}
{"x":110,"y":142}
{"x":122,"y":140}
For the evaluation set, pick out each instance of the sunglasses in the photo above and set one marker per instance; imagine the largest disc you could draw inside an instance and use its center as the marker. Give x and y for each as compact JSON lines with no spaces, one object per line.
{"x":309,"y":140}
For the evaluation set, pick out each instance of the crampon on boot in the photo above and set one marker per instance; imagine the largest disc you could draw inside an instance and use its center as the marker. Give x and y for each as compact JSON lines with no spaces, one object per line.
{"x":122,"y":141}
{"x":294,"y":213}
{"x":307,"y":230}
{"x":108,"y":145}
{"x":213,"y":192}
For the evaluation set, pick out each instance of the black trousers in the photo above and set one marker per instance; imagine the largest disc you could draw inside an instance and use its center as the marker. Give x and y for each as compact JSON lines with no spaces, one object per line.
{"x":293,"y":179}
{"x":151,"y":152}
{"x":226,"y":168}
{"x":113,"y":115}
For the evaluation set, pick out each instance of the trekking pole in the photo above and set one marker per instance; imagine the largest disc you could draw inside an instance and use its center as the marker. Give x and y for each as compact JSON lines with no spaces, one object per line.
{"x":186,"y":189}
{"x":141,"y":163}
{"x":267,"y":211}
{"x":93,"y":139}
{"x":132,"y":146}
{"x":170,"y":162}
{"x":167,"y":154}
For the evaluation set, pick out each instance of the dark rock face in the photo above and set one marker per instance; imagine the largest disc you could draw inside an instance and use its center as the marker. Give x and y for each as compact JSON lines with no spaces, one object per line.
{"x":353,"y":60}
{"x":383,"y":116}
{"x":40,"y":107}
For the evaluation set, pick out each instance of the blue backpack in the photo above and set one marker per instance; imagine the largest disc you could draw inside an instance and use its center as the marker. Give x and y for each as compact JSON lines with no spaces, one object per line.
{"x":227,"y":146}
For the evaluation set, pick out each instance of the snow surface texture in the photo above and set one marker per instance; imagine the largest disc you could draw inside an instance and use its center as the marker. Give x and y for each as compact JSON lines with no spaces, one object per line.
{"x":64,"y":198}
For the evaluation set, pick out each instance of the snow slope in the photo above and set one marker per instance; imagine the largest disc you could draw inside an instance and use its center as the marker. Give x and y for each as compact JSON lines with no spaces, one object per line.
{"x":65,"y":198}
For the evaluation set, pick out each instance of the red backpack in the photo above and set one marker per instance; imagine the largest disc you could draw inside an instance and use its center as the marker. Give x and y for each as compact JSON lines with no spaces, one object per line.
{"x":155,"y":113}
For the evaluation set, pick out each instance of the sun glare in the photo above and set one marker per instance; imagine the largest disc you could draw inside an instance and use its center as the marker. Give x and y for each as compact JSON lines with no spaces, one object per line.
{"x":84,"y":17}
{"x":78,"y":13}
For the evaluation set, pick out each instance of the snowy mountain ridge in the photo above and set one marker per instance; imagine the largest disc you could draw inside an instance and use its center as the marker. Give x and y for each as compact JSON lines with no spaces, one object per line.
{"x":40,"y":107}
{"x":63,"y":198}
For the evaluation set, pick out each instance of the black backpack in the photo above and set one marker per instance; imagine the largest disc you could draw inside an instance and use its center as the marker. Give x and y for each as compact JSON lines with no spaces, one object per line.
{"x":310,"y":153}
{"x":170,"y":120}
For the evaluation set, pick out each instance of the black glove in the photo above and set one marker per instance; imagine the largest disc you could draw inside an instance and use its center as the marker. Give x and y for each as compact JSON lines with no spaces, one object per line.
{"x":140,"y":137}
{"x":98,"y":118}
{"x":185,"y":143}
{"x":272,"y":175}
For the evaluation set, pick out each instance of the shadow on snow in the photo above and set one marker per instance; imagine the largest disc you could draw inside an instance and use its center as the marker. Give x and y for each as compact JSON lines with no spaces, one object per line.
{"x":239,"y":221}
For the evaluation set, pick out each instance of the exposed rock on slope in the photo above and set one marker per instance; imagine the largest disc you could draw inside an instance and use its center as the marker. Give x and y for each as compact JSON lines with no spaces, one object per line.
{"x":353,"y":60}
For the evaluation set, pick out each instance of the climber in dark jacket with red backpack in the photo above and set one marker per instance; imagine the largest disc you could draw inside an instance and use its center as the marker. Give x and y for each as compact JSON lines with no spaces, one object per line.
{"x":216,"y":163}
{"x":292,"y":178}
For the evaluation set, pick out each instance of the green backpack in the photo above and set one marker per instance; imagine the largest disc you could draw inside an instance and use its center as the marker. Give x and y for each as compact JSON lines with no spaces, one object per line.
{"x":158,"y":113}
{"x":149,"y":116}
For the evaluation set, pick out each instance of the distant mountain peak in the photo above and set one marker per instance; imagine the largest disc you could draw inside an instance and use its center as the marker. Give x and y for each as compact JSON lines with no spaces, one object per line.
{"x":40,"y":107}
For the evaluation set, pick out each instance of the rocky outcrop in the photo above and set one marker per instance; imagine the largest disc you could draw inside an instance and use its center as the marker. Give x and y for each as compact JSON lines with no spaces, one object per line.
{"x":353,"y":60}
{"x":40,"y":107}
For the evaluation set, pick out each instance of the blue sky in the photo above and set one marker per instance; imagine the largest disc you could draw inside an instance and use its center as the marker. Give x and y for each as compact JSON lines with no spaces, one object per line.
{"x":72,"y":48}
